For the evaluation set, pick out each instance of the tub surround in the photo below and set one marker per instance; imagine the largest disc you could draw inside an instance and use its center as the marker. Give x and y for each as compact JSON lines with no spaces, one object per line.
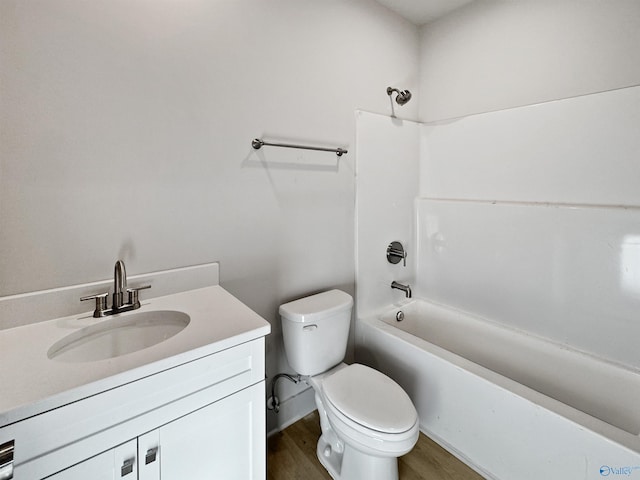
{"x":528,"y":218}
{"x":575,"y":151}
{"x":541,"y":232}
{"x":567,"y":273}
{"x":387,"y":151}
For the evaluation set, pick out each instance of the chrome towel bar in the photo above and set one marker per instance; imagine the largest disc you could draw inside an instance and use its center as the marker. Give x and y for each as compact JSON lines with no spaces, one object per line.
{"x":258,"y":143}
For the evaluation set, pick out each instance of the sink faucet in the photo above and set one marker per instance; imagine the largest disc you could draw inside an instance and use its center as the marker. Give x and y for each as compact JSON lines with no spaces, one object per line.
{"x":119,"y":284}
{"x":118,"y":304}
{"x":405,"y":288}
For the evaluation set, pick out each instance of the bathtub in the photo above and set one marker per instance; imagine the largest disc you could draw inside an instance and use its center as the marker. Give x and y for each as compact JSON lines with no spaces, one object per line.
{"x":511,"y":405}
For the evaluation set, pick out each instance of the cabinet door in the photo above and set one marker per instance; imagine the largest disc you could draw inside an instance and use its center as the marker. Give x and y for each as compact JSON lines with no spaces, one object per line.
{"x":223,"y":440}
{"x":120,"y":463}
{"x":149,"y":456}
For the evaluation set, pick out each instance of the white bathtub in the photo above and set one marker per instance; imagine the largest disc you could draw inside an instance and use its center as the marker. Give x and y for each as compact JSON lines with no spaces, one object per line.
{"x":511,"y":405}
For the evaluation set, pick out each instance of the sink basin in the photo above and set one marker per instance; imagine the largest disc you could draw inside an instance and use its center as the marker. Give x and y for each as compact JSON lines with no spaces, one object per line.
{"x":120,"y":335}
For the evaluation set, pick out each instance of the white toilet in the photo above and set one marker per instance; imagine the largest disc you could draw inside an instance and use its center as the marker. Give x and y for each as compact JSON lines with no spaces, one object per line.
{"x":367,"y":419}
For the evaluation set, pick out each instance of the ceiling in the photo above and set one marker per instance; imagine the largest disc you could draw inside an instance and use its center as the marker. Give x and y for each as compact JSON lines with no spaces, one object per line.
{"x":423,"y":11}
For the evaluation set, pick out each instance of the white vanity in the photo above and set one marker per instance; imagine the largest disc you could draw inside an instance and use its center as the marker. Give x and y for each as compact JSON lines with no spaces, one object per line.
{"x":191,"y":406}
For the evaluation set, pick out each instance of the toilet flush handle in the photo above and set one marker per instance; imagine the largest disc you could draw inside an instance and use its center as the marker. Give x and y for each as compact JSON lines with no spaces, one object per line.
{"x":309,"y":328}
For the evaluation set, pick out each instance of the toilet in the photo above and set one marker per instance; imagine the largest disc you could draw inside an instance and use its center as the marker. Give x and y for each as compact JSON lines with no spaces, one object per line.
{"x":367,"y":419}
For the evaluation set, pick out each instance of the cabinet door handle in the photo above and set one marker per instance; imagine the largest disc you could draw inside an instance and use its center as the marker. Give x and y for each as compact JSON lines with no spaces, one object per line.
{"x":6,"y":460}
{"x":127,"y":467}
{"x":151,"y":455}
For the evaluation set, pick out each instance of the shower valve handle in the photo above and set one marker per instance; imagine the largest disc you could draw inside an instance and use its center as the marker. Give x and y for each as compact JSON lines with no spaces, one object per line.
{"x":396,"y":252}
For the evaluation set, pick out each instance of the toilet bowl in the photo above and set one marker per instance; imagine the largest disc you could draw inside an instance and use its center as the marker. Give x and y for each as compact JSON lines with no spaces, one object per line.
{"x":369,"y":422}
{"x":367,"y":419}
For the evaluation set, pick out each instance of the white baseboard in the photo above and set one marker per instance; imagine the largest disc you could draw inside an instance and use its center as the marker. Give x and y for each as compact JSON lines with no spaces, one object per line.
{"x":291,"y":410}
{"x":459,"y":455}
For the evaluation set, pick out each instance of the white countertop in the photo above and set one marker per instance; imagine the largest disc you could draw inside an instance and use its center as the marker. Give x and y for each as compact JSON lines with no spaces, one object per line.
{"x":31,"y":383}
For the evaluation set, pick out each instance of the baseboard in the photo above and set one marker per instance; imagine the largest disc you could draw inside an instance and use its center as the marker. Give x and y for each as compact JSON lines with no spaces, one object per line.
{"x":291,"y":410}
{"x":456,"y":453}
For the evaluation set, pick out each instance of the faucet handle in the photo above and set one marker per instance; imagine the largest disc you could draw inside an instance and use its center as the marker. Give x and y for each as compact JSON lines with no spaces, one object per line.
{"x":101,"y":303}
{"x":396,"y":252}
{"x":133,"y":294}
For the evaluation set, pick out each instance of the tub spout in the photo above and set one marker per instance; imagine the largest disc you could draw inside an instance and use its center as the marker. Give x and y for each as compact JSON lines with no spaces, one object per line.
{"x":405,"y":288}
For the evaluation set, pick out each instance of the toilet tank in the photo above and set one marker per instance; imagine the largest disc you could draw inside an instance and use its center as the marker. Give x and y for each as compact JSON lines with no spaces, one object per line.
{"x":315,"y":331}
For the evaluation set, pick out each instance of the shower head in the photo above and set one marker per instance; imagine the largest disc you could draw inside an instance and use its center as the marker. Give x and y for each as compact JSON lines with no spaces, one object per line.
{"x":402,"y":97}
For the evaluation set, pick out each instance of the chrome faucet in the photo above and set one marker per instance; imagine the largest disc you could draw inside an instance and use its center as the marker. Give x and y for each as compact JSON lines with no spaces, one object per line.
{"x":119,"y":284}
{"x":405,"y":288}
{"x":119,"y":288}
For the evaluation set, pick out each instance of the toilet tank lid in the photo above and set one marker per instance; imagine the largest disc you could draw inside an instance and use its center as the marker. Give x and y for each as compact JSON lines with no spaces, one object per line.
{"x":316,"y":306}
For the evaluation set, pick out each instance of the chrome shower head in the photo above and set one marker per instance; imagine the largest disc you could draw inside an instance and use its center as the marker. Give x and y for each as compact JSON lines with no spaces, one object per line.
{"x":402,"y":97}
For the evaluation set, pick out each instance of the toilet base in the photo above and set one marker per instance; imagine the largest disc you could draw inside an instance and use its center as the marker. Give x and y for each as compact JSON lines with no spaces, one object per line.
{"x":330,"y":459}
{"x":351,"y":464}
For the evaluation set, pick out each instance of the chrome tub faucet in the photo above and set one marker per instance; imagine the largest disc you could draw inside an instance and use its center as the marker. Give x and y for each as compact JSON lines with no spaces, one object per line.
{"x":118,"y":304}
{"x":405,"y":288}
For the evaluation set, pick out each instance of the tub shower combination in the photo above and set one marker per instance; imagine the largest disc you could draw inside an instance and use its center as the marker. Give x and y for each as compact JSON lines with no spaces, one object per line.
{"x":511,"y":405}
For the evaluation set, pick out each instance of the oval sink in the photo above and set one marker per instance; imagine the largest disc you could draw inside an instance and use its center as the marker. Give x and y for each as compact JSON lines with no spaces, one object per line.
{"x":117,"y":336}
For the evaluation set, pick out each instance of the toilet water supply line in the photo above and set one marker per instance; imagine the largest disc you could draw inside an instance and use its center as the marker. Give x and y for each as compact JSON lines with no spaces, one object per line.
{"x":272,"y":402}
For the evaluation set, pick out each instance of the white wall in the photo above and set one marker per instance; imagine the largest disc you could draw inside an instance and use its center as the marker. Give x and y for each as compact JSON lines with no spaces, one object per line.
{"x":495,"y":54}
{"x":125,"y":131}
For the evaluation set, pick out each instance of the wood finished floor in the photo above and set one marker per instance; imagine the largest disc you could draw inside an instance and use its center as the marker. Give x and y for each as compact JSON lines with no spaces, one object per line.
{"x":291,"y":455}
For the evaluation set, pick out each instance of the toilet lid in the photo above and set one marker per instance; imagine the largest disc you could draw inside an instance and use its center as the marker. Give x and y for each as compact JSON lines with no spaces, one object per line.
{"x":371,"y":399}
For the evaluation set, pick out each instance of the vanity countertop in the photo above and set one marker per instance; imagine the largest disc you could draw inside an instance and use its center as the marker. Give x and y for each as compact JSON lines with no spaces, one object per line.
{"x":31,"y":383}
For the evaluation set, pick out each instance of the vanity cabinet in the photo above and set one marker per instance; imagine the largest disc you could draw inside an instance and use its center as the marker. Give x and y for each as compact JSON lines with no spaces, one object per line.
{"x":199,"y":420}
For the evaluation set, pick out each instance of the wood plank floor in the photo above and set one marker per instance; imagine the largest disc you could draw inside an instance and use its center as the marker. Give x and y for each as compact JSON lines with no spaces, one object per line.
{"x":291,"y":455}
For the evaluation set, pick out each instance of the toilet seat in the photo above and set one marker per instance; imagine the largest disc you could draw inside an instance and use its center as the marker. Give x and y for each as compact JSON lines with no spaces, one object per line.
{"x":370,"y":399}
{"x":371,"y":410}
